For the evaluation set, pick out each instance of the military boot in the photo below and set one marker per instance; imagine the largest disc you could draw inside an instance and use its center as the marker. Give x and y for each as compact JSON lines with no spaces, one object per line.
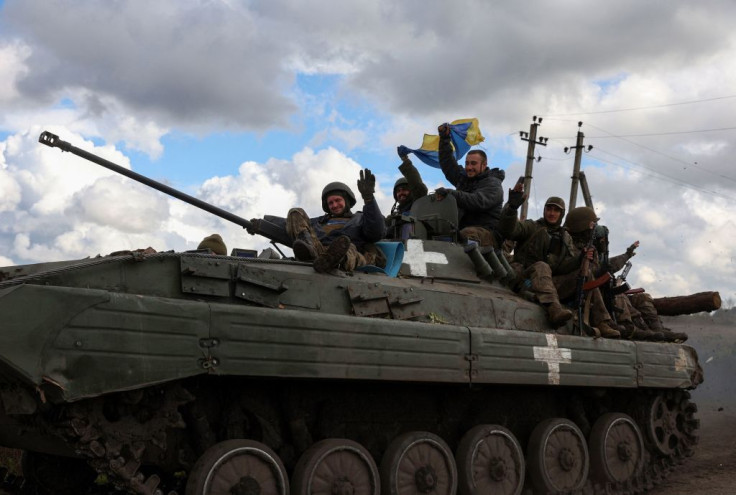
{"x":640,"y":323}
{"x":303,"y":247}
{"x":558,"y":315}
{"x":653,"y":322}
{"x":670,"y":336}
{"x":608,"y":332}
{"x":632,"y":332}
{"x":333,"y":256}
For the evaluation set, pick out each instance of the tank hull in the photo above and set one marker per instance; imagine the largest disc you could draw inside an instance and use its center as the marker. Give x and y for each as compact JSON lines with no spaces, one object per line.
{"x":154,"y":360}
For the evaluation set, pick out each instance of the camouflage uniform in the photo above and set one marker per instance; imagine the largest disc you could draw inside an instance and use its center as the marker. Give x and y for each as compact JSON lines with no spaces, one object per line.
{"x":479,"y":198}
{"x":636,"y":312}
{"x":543,"y":254}
{"x":297,"y":222}
{"x":412,"y":180}
{"x":598,"y":311}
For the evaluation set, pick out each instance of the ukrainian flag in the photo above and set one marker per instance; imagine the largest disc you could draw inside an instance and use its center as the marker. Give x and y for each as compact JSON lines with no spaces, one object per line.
{"x":464,"y":134}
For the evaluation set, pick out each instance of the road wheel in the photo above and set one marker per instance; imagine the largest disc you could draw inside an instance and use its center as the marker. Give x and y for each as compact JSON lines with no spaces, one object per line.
{"x":616,"y":448}
{"x":490,"y":460}
{"x":557,"y":456}
{"x":238,"y":467}
{"x":336,"y":467}
{"x":418,"y":462}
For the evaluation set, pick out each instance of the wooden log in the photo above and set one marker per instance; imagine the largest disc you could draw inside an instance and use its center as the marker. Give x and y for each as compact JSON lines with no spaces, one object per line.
{"x":685,"y":305}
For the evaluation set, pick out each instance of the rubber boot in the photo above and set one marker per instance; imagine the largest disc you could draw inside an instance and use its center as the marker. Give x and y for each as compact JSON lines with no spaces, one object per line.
{"x":333,"y":256}
{"x":558,"y":315}
{"x":303,"y":247}
{"x":608,"y":332}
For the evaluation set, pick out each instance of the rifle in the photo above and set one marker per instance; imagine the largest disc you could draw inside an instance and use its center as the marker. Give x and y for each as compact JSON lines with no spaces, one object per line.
{"x":604,"y":275}
{"x":622,"y":285}
{"x":582,"y":275}
{"x":271,"y":231}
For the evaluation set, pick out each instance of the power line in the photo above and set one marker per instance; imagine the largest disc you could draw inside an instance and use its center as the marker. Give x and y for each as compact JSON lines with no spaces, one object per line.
{"x":690,"y":102}
{"x":658,"y":175}
{"x":689,"y":164}
{"x":664,"y":133}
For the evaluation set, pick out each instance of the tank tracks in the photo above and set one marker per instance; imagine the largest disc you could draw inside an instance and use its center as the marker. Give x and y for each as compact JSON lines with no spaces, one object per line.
{"x":669,"y":415}
{"x":670,"y":436}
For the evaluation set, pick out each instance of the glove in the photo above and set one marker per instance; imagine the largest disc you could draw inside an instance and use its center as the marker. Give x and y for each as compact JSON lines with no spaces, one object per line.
{"x":630,"y":250}
{"x":516,"y":199}
{"x":442,"y":191}
{"x":402,"y":152}
{"x":255,"y":226}
{"x":444,"y":130}
{"x":367,"y":184}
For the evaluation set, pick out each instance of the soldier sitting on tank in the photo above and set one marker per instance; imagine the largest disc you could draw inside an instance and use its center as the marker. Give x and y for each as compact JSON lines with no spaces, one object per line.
{"x":341,"y":238}
{"x":406,"y":189}
{"x":543,"y":250}
{"x":635,"y":312}
{"x":580,"y":224}
{"x":479,"y":193}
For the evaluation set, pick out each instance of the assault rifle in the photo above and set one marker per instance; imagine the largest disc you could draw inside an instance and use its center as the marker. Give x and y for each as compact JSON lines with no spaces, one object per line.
{"x":582,"y":275}
{"x":269,"y":230}
{"x":622,"y":285}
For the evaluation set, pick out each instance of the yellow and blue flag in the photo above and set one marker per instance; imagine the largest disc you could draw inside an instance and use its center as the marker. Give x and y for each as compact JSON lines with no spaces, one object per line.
{"x":464,"y":134}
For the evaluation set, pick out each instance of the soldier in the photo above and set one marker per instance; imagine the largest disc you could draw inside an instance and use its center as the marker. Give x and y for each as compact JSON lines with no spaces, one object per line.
{"x":638,"y":315}
{"x":581,"y":223}
{"x":406,"y":189}
{"x":479,"y":194}
{"x":340,"y":237}
{"x":543,"y":250}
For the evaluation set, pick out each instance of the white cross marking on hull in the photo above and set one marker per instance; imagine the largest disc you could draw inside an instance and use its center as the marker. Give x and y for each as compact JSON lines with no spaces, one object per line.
{"x":417,"y":259}
{"x":681,"y":361}
{"x":553,"y":356}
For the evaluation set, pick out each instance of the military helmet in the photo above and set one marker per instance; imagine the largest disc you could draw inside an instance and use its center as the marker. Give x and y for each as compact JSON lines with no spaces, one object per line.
{"x":558,"y":202}
{"x":401,"y":181}
{"x":337,"y":188}
{"x":580,"y":218}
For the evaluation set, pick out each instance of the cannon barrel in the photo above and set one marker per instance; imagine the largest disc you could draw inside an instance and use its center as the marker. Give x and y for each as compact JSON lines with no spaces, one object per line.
{"x":270,"y":231}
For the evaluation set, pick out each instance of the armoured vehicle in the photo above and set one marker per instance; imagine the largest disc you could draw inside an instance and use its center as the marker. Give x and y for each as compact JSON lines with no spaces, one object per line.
{"x":193,"y":373}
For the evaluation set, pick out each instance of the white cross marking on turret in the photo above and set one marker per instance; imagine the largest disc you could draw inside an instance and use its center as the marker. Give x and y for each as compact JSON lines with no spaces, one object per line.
{"x":417,"y":259}
{"x":553,"y":356}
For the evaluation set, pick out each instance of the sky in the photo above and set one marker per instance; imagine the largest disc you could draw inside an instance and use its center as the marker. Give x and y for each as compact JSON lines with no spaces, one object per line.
{"x":254,"y":106}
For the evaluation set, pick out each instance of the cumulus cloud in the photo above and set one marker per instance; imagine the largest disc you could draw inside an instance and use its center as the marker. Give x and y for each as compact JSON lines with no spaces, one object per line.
{"x":660,"y":171}
{"x":50,"y":217}
{"x":13,"y":55}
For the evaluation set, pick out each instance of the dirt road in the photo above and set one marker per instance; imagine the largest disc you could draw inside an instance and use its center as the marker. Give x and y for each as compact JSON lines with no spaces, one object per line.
{"x":712,"y":470}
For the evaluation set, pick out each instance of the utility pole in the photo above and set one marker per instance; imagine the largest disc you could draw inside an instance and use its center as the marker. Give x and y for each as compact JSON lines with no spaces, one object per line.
{"x":579,"y":148}
{"x":531,"y":137}
{"x":586,"y":191}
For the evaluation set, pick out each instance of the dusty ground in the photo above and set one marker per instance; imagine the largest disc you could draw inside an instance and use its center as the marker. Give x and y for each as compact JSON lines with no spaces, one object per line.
{"x":712,"y":470}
